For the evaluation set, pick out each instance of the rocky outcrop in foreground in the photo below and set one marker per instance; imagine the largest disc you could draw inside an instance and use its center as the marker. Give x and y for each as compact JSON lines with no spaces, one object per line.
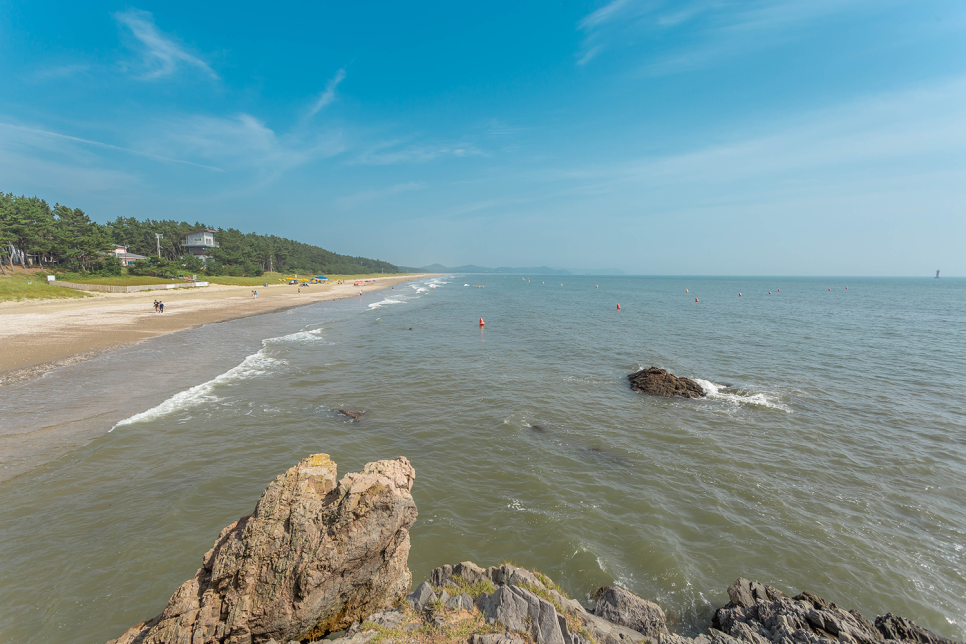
{"x":509,"y":605}
{"x":317,"y":557}
{"x":314,"y":557}
{"x":658,"y":382}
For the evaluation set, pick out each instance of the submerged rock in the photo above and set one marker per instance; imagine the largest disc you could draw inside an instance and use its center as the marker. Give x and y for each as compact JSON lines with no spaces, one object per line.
{"x":354,"y":414}
{"x":658,"y":382}
{"x":314,"y":557}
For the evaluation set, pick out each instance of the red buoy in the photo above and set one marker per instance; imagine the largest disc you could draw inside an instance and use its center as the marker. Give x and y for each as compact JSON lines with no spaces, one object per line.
{"x":830,"y":289}
{"x":695,"y":299}
{"x":769,"y":292}
{"x":618,"y":307}
{"x":482,"y":322}
{"x":846,"y":288}
{"x":739,"y":294}
{"x":779,"y":290}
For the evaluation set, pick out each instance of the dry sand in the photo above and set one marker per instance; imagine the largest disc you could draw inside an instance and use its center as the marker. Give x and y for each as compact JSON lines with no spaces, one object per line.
{"x":39,"y":335}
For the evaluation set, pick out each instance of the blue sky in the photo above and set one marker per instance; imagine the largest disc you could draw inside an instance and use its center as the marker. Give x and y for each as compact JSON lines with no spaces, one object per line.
{"x":797,"y":137}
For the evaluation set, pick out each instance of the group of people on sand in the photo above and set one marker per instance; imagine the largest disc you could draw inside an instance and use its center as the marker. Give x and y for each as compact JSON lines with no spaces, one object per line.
{"x":254,"y":295}
{"x":158,"y":306}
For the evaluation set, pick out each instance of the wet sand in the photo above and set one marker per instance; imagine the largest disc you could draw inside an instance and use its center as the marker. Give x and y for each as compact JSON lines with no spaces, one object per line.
{"x":41,"y":335}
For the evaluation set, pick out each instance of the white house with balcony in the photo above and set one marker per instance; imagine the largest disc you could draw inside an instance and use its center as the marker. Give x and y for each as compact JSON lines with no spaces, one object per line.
{"x":199,"y":242}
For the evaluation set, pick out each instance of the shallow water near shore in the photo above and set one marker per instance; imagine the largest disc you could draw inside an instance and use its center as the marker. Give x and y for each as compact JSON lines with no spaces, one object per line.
{"x":830,"y":457}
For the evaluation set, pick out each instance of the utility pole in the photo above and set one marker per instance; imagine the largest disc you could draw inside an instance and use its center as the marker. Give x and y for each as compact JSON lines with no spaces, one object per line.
{"x":159,"y":237}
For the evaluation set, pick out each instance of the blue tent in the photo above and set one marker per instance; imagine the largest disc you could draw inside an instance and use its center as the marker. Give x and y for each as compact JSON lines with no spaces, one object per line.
{"x":321,"y":277}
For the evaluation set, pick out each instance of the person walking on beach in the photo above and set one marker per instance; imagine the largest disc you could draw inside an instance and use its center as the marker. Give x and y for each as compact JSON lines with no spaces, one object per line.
{"x":155,"y":306}
{"x":256,"y":295}
{"x":160,"y":307}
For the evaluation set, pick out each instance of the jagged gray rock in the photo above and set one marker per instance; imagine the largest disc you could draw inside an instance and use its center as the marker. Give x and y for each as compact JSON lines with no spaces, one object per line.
{"x":622,"y":607}
{"x":314,"y":557}
{"x":900,"y":628}
{"x":496,"y":638}
{"x":461,"y":602}
{"x":511,"y":606}
{"x":422,"y":597}
{"x":760,"y":614}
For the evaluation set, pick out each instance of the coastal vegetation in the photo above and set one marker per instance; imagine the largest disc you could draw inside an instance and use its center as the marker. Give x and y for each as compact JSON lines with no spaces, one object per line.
{"x":32,"y":285}
{"x":62,"y":238}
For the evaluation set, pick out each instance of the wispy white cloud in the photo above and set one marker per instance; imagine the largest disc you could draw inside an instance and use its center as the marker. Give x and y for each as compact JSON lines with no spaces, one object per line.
{"x":107,"y":146}
{"x":162,"y":56}
{"x":719,"y":28}
{"x":328,"y":94}
{"x":58,"y":72}
{"x":241,"y":144}
{"x":395,"y":151}
{"x":374,"y":194}
{"x":907,"y":141}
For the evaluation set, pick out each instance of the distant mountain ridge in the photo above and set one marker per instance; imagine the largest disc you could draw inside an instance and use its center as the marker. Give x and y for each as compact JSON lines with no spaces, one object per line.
{"x":531,"y":270}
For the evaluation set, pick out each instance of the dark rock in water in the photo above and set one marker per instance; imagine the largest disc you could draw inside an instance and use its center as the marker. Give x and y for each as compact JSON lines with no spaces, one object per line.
{"x":316,"y":555}
{"x":607,"y":456}
{"x":760,"y":614}
{"x":540,"y":429}
{"x":354,"y":414}
{"x":626,"y":609}
{"x":658,"y":382}
{"x":900,"y":628}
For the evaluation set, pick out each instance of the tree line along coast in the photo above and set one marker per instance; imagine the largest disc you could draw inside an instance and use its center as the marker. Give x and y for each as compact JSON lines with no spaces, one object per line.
{"x":32,"y":233}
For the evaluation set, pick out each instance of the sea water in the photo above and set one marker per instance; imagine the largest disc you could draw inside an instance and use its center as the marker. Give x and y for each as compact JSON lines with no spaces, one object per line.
{"x":829,"y":455}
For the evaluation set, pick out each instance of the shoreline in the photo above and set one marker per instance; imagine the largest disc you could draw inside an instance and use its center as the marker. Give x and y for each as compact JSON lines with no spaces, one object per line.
{"x":40,"y":336}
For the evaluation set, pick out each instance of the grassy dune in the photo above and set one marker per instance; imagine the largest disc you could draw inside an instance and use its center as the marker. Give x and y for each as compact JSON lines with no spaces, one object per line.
{"x":273,"y":278}
{"x":22,"y":285}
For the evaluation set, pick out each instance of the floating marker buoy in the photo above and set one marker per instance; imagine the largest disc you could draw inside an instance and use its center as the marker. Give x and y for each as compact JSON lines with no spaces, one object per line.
{"x":686,"y":291}
{"x":846,"y":288}
{"x":482,"y":322}
{"x":739,"y":294}
{"x":618,"y":307}
{"x":830,"y":289}
{"x":769,"y":292}
{"x":695,"y":299}
{"x":779,"y":290}
{"x":598,"y":286}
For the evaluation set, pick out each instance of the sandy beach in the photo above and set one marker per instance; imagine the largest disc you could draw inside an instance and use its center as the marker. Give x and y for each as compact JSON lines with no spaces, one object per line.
{"x":41,"y":335}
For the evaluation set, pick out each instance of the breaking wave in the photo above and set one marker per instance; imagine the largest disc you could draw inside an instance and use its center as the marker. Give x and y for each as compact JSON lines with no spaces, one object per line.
{"x":740,"y":396}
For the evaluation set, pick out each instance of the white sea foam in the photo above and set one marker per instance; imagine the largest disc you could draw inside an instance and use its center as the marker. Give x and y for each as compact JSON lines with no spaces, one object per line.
{"x":388,"y":300}
{"x":298,"y":336}
{"x":465,"y":284}
{"x":721,"y":392}
{"x":257,"y":364}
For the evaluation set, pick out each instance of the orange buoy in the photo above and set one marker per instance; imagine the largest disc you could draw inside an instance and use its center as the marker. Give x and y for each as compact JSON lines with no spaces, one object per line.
{"x":686,"y":291}
{"x":482,"y":322}
{"x":618,"y":307}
